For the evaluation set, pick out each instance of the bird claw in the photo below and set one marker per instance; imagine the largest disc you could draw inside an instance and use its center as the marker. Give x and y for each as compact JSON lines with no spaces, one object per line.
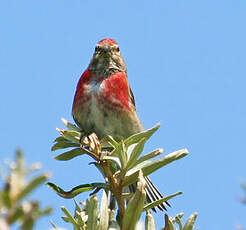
{"x":92,"y":144}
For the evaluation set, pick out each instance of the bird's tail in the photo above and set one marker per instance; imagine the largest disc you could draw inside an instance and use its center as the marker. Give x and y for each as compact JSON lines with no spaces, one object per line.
{"x":152,"y":194}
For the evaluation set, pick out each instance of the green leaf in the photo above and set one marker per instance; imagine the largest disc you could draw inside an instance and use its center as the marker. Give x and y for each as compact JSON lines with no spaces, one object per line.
{"x":149,"y":156}
{"x":66,"y":219}
{"x":17,"y":214}
{"x":149,"y":222}
{"x":77,"y":207}
{"x":70,"y":154}
{"x":92,"y":210}
{"x":76,"y":190}
{"x":115,"y":159}
{"x":104,"y":213}
{"x":120,"y":152}
{"x":108,"y":141}
{"x":135,"y":152}
{"x":190,"y":222}
{"x":79,"y":218}
{"x":178,"y":221}
{"x":149,"y":167}
{"x":70,"y":135}
{"x":34,"y":183}
{"x":63,"y":145}
{"x":70,"y":125}
{"x":70,"y":218}
{"x":27,"y":224}
{"x":79,"y":214}
{"x":138,"y":167}
{"x":5,"y":199}
{"x":160,"y":201}
{"x":168,"y":224}
{"x":135,"y":205}
{"x":137,"y":137}
{"x":53,"y":225}
{"x":20,"y":163}
{"x":45,"y":211}
{"x":60,"y":139}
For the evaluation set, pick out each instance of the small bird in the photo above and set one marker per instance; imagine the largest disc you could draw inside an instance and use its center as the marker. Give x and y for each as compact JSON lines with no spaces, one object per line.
{"x":104,"y":103}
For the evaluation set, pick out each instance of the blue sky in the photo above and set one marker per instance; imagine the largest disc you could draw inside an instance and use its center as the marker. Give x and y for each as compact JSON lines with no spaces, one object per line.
{"x":186,"y":67}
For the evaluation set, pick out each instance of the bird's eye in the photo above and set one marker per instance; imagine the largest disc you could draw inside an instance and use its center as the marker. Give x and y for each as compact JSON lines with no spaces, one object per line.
{"x":97,"y":49}
{"x":118,"y":49}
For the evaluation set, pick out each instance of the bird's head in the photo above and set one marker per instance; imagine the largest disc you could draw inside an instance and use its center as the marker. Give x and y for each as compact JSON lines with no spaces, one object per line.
{"x":107,"y":58}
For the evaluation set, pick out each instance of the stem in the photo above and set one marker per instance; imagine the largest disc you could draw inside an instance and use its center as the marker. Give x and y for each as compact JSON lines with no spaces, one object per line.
{"x":115,"y":186}
{"x":116,"y":189}
{"x":90,"y":153}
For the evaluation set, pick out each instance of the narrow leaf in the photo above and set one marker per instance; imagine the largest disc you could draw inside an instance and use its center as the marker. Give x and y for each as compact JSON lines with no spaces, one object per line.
{"x":115,"y":159}
{"x":104,"y":213}
{"x":178,"y":221}
{"x":77,"y":207}
{"x":149,"y":222}
{"x":70,"y":135}
{"x":66,"y":219}
{"x":149,"y":156}
{"x":168,"y":224}
{"x":17,"y":214}
{"x":108,"y":141}
{"x":151,"y":166}
{"x":190,"y":222}
{"x":160,"y":201}
{"x":45,"y":211}
{"x":92,"y":210}
{"x":120,"y":152}
{"x":136,"y":151}
{"x":135,"y":205}
{"x":138,"y":167}
{"x":70,"y":154}
{"x":70,"y":218}
{"x":5,"y":199}
{"x":34,"y":183}
{"x":63,"y":145}
{"x":60,"y":139}
{"x":53,"y":225}
{"x":27,"y":223}
{"x":70,"y":125}
{"x":137,"y":137}
{"x":76,"y":190}
{"x":79,"y":218}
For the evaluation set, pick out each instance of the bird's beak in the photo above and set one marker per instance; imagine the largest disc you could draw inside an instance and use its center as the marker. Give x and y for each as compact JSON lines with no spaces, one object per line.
{"x":105,"y":49}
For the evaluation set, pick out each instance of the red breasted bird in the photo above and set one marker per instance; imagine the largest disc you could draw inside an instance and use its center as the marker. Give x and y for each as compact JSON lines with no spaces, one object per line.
{"x":104,"y":103}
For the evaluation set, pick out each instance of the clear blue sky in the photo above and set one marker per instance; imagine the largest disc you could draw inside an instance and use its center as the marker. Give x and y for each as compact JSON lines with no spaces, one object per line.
{"x":186,"y":67}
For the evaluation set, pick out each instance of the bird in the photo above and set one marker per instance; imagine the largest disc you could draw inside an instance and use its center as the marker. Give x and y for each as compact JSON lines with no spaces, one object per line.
{"x":104,"y":103}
